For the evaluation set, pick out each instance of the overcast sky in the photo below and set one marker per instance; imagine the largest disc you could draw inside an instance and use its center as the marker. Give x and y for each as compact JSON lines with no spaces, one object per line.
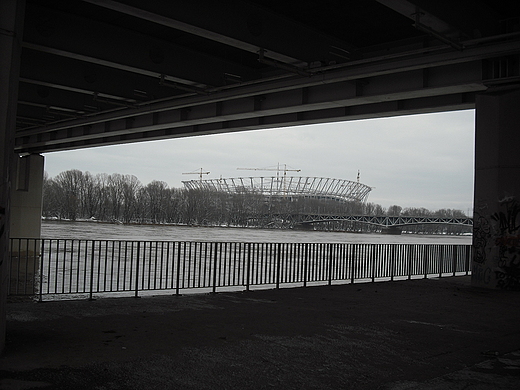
{"x":412,"y":161}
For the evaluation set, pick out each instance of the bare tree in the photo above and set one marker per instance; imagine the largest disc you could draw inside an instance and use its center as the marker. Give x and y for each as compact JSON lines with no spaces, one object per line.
{"x":90,"y":199}
{"x":156,"y":196}
{"x":51,"y":198}
{"x":69,"y":191}
{"x":130,"y":190}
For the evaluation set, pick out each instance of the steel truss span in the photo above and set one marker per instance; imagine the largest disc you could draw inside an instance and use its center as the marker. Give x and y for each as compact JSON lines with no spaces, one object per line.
{"x":286,"y":186}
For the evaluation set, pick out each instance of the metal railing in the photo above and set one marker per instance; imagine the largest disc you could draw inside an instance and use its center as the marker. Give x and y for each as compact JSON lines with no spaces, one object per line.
{"x":51,"y":267}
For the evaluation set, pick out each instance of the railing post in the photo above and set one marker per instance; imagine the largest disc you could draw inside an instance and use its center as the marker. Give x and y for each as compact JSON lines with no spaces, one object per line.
{"x":305,"y":265}
{"x":92,"y":269}
{"x":374,"y":251}
{"x":178,"y":277}
{"x":331,"y":246}
{"x":425,"y":261}
{"x":248,"y":265}
{"x":392,"y":261}
{"x":467,"y":262}
{"x":441,"y":259}
{"x":137,"y":269}
{"x":455,"y":258}
{"x":40,"y":299}
{"x":409,"y":257}
{"x":278,"y":255}
{"x":352,"y":263}
{"x":215,"y":258}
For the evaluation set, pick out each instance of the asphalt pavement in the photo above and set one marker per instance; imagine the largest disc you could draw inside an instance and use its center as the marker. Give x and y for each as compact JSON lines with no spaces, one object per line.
{"x":418,"y":334}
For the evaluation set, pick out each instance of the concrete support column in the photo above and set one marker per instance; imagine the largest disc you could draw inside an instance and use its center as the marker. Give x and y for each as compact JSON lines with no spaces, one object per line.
{"x":496,"y":228}
{"x":25,"y":223}
{"x":11,"y":31}
{"x":26,"y":197}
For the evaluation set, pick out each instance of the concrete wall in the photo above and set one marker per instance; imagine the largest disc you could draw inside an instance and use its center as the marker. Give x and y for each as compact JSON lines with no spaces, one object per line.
{"x":496,"y":229}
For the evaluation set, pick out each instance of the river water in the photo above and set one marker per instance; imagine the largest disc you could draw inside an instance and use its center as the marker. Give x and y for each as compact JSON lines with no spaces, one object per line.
{"x":107,"y":231}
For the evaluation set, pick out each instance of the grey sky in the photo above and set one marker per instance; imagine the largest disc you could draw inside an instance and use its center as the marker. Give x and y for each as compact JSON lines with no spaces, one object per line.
{"x":413,"y":161}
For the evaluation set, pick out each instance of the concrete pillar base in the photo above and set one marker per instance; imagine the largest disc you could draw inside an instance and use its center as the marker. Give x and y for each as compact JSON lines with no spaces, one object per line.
{"x":392,"y":230}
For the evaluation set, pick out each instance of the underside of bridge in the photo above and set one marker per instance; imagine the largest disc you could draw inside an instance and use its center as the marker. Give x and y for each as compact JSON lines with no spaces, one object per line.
{"x":99,"y":72}
{"x":77,"y":74}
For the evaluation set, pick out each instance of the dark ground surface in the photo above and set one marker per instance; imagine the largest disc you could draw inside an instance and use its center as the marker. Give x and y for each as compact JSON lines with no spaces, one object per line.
{"x":419,"y":334}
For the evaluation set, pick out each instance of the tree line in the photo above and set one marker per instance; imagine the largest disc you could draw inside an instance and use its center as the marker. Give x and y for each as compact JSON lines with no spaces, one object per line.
{"x":76,"y":195}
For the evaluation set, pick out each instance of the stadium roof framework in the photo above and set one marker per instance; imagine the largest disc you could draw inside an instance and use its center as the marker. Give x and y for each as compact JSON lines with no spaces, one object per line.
{"x":290,"y":186}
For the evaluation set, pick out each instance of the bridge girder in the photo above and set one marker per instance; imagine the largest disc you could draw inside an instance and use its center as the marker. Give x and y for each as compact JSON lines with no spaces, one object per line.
{"x":112,"y":72}
{"x":342,"y":95}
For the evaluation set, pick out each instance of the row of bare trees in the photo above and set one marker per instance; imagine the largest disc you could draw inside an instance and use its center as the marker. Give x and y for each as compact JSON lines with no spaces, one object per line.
{"x":75,"y":195}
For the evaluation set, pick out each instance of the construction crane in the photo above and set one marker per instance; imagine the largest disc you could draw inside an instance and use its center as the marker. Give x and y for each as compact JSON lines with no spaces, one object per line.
{"x":199,"y":172}
{"x":278,"y":170}
{"x":358,"y":180}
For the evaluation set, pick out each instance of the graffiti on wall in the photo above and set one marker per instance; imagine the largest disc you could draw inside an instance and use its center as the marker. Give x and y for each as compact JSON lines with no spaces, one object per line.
{"x":496,"y":245}
{"x":481,"y":235}
{"x":507,"y":241}
{"x":480,"y":270}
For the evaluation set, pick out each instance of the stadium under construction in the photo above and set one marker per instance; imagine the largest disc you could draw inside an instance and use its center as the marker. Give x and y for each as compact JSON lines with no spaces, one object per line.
{"x":289,"y":187}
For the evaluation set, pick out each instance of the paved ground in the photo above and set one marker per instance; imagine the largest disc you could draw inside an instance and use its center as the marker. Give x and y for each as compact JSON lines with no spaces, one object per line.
{"x":421,"y":334}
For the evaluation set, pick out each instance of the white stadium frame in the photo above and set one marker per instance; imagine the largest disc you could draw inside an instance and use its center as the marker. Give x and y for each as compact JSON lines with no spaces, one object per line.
{"x":289,"y":187}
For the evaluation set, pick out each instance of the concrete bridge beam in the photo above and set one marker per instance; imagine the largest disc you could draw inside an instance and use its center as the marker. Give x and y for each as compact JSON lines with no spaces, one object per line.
{"x":496,"y":222}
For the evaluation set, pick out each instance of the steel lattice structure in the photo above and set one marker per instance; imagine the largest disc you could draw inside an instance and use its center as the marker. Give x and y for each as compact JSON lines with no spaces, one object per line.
{"x":286,"y":186}
{"x":382,"y":220}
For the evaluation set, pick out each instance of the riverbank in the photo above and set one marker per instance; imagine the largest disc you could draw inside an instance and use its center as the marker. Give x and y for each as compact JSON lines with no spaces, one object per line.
{"x":418,"y":334}
{"x":108,"y":231}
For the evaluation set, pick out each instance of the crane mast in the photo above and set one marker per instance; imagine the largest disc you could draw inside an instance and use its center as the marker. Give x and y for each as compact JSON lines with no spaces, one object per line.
{"x":199,"y":172}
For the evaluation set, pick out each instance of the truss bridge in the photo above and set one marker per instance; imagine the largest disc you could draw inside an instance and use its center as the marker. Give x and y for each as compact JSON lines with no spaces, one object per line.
{"x":383,"y":221}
